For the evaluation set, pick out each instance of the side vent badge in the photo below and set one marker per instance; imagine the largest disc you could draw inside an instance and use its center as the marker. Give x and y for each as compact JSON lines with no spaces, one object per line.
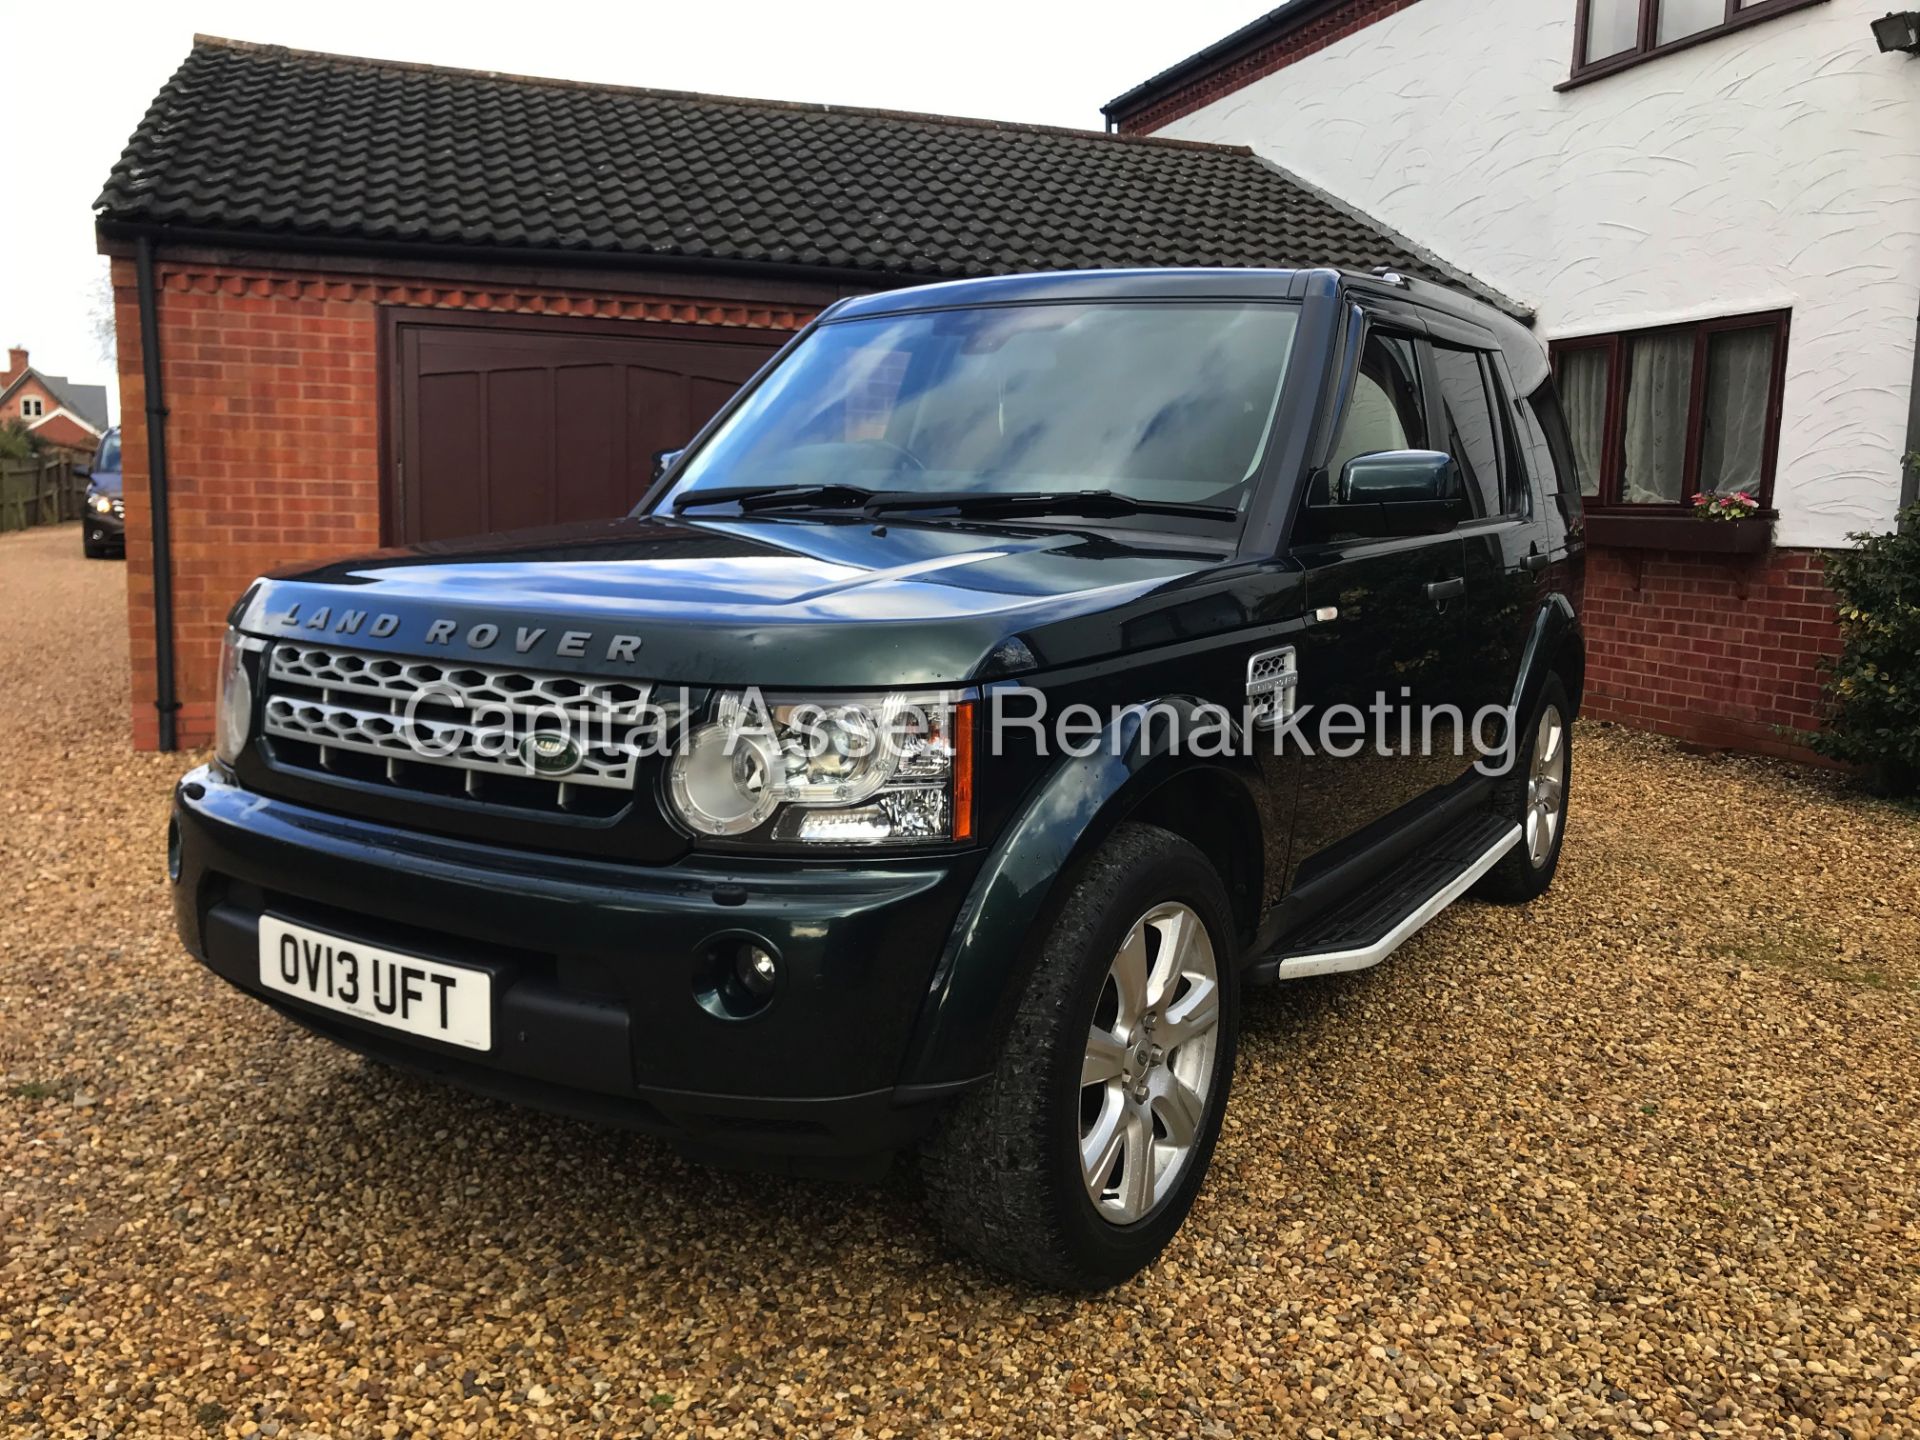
{"x":1272,"y":678}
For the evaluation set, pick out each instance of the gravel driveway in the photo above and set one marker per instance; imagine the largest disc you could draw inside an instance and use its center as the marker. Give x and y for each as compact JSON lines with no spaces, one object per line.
{"x":1641,"y":1158}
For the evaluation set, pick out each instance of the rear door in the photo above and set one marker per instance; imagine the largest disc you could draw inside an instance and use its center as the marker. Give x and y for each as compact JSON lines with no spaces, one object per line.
{"x":1504,"y":543}
{"x":502,"y":422}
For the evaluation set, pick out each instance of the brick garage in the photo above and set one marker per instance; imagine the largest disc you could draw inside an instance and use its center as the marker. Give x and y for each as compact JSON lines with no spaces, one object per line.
{"x":273,"y":457}
{"x":316,"y":223}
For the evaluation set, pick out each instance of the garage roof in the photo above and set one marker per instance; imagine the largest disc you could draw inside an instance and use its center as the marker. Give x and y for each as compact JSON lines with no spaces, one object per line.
{"x":264,"y":141}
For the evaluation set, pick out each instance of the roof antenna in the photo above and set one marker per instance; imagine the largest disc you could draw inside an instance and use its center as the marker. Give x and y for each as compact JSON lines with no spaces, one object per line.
{"x":1387,"y":275}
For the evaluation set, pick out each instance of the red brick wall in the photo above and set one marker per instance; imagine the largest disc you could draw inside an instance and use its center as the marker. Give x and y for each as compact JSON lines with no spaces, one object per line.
{"x":1290,"y":45}
{"x":273,"y":388}
{"x":1719,"y":651}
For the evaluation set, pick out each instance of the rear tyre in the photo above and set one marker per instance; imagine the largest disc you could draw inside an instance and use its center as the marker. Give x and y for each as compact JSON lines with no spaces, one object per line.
{"x":1534,"y":793}
{"x":1077,"y":1161}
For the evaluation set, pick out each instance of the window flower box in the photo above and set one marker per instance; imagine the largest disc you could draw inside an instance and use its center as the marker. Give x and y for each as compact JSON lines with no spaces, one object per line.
{"x":1689,"y":533}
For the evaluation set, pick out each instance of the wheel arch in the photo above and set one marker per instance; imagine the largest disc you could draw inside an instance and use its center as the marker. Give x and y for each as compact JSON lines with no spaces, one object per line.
{"x":1555,"y":646}
{"x":1211,"y":803}
{"x":1213,"y":810}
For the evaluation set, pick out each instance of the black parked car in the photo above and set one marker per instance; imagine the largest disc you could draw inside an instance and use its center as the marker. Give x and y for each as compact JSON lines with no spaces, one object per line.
{"x":103,"y":528}
{"x":1193,"y":513}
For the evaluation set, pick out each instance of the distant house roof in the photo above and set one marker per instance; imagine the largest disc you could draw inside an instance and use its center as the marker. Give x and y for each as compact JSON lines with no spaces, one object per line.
{"x":87,"y":403}
{"x":259,"y":141}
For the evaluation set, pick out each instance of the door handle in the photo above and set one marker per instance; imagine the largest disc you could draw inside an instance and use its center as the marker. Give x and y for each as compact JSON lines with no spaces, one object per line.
{"x":1446,"y":589}
{"x":1537,"y":560}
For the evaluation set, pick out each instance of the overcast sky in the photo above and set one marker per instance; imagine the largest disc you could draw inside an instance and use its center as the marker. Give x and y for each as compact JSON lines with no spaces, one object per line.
{"x":1048,"y":61}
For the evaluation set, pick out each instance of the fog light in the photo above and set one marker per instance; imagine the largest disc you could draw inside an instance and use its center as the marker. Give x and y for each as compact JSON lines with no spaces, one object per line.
{"x":756,"y":971}
{"x":734,"y":976}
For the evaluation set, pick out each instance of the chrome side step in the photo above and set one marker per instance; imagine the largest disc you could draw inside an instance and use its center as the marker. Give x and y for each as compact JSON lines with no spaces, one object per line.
{"x":1331,"y":960}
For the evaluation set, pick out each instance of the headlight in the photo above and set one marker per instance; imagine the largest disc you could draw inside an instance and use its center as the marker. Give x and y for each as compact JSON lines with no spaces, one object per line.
{"x":868,"y":771}
{"x":722,"y":784}
{"x":233,"y":700}
{"x":102,"y":504}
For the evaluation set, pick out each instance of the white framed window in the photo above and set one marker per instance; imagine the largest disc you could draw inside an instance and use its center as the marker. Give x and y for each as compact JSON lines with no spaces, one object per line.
{"x":32,"y":407}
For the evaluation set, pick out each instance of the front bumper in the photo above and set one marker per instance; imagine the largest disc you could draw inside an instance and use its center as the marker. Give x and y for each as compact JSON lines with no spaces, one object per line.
{"x":104,"y":531}
{"x":597,"y":968}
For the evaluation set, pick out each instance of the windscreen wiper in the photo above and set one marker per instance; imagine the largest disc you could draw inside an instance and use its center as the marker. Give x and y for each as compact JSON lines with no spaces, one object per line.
{"x":1040,"y":502}
{"x":769,"y":497}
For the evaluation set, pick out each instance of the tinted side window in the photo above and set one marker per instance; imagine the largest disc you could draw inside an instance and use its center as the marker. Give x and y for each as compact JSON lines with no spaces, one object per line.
{"x":1385,"y":411}
{"x":1565,"y":483}
{"x":1470,"y":426}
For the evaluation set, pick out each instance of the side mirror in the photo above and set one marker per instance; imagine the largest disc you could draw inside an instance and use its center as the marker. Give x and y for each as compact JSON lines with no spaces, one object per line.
{"x":1395,"y":492}
{"x":1400,"y":477}
{"x":663,"y":460}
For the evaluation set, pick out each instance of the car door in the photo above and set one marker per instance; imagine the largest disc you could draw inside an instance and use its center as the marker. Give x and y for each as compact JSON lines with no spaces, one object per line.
{"x":1504,"y":546}
{"x":1384,"y":642}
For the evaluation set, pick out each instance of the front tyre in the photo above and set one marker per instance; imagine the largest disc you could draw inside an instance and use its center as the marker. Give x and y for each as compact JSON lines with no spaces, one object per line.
{"x":1077,"y":1161}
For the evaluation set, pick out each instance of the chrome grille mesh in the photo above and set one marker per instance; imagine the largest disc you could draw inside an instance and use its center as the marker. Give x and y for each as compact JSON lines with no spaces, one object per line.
{"x":1272,"y":678}
{"x":464,"y":717}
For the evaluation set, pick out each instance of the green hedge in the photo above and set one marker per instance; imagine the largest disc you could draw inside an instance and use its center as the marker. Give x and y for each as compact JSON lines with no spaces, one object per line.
{"x":1874,"y":684}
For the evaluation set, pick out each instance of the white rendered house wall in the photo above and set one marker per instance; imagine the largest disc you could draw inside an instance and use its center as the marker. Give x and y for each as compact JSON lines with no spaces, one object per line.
{"x":1774,"y":167}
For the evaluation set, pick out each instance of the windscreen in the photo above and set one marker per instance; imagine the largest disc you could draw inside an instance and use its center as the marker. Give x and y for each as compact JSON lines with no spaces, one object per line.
{"x":1157,"y":401}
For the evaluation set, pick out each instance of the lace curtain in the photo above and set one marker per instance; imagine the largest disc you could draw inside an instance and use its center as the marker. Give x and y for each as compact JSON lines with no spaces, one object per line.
{"x":1739,"y":384}
{"x":1659,"y":392}
{"x":1613,"y":26}
{"x":1583,"y":396}
{"x":1681,"y":18}
{"x":1733,"y":419}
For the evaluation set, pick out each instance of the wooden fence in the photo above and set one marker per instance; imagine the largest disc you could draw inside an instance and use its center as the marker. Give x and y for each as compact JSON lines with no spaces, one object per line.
{"x":40,"y":491}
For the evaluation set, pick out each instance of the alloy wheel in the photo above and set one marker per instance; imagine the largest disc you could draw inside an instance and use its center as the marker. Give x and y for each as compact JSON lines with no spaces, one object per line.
{"x":1148,"y":1072}
{"x":1546,"y":785}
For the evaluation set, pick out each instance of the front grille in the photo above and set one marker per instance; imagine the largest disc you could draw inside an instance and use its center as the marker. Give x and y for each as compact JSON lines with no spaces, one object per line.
{"x":449,"y":730}
{"x":119,"y":507}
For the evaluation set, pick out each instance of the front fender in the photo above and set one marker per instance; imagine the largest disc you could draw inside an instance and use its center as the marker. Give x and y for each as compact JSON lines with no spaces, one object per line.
{"x":987,"y":956}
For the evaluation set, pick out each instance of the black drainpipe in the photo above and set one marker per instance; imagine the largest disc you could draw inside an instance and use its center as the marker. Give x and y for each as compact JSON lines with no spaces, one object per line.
{"x":1910,"y":461}
{"x":165,"y":700}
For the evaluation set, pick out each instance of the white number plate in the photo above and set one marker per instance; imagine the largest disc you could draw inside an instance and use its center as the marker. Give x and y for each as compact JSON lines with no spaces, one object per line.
{"x":451,"y":1003}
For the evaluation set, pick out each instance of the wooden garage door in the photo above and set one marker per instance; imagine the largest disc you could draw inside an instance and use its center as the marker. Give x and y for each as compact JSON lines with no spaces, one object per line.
{"x":503,"y":424}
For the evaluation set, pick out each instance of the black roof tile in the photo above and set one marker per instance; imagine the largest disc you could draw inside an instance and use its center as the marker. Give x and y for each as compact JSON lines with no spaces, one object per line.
{"x":264,"y":141}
